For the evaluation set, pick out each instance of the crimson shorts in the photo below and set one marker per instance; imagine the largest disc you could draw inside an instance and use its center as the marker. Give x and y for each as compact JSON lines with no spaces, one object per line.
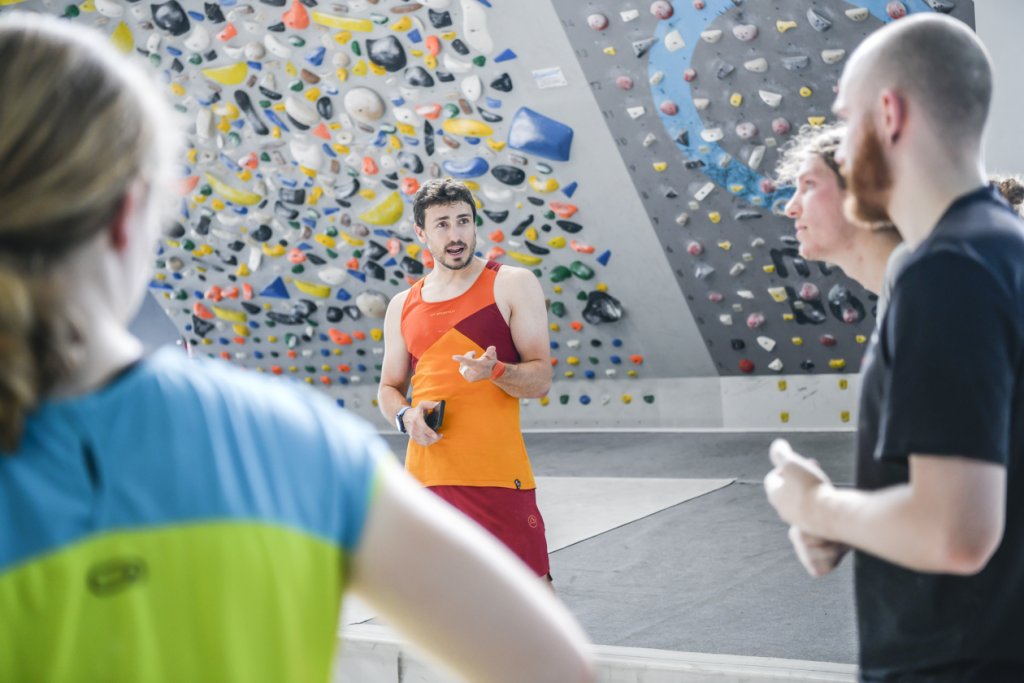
{"x":511,"y":515}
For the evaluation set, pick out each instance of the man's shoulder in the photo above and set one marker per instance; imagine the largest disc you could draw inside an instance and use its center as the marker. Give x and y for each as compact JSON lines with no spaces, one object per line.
{"x":514,"y":274}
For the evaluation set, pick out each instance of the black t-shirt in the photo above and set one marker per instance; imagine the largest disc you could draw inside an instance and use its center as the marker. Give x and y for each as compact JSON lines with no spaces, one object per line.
{"x":943,"y":376}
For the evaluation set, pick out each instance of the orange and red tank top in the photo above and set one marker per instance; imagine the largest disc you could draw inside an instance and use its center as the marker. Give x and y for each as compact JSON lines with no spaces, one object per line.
{"x":481,"y":443}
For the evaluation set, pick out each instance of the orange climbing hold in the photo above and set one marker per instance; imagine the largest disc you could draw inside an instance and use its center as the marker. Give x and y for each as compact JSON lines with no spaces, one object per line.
{"x":429,"y":111}
{"x":428,"y":259}
{"x":325,"y":380}
{"x":228,"y":33}
{"x":581,"y":247}
{"x":322,"y":132}
{"x":276,"y":369}
{"x":186,"y":185}
{"x":202,"y":311}
{"x":344,"y":368}
{"x":494,"y":253}
{"x":576,"y":325}
{"x":296,"y":256}
{"x":433,"y":44}
{"x":251,"y":161}
{"x":296,"y":17}
{"x":352,"y":263}
{"x":338,"y":337}
{"x":231,"y":293}
{"x":497,"y":236}
{"x":563,"y":210}
{"x":247,"y":292}
{"x":637,"y":359}
{"x":361,"y":336}
{"x":239,"y":340}
{"x":214,"y":293}
{"x":410,"y":186}
{"x":394,"y":246}
{"x":370,"y":166}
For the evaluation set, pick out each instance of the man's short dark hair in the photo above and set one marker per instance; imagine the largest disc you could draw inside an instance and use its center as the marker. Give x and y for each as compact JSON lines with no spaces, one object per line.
{"x":442,"y":192}
{"x":811,"y":141}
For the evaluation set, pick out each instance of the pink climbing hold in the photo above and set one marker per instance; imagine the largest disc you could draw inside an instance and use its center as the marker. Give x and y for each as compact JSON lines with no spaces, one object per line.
{"x":694,"y":248}
{"x":662,"y":9}
{"x":716,"y":297}
{"x":755,"y":320}
{"x":896,"y":10}
{"x":598,"y":22}
{"x":689,"y":75}
{"x":669,"y":108}
{"x":767,"y":185}
{"x":624,"y":82}
{"x":780,"y":126}
{"x":809,"y":292}
{"x":698,"y":4}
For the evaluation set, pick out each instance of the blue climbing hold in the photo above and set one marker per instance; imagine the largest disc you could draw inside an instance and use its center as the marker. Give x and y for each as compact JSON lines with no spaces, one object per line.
{"x":605,"y":256}
{"x":570,"y":189}
{"x":537,"y":134}
{"x":414,"y":36}
{"x":615,"y":360}
{"x":505,"y":56}
{"x":584,"y":399}
{"x":276,"y":290}
{"x":343,"y":295}
{"x":316,"y":58}
{"x":357,"y":274}
{"x":464,"y":169}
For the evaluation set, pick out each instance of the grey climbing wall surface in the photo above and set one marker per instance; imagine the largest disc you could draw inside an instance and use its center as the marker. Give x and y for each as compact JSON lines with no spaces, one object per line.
{"x":699,"y":96}
{"x":311,"y":125}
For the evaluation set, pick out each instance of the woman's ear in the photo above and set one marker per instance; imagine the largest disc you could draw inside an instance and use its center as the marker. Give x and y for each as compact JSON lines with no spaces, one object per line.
{"x":119,"y":225}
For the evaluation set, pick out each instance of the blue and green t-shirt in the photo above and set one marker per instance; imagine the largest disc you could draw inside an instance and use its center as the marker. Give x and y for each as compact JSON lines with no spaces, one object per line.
{"x":188,"y":522}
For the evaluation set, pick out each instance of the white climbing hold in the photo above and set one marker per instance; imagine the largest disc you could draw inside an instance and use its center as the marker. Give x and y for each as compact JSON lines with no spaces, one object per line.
{"x":474,"y":27}
{"x":110,"y":8}
{"x":701,"y":103}
{"x":775,"y":365}
{"x":858,"y":13}
{"x":498,"y":195}
{"x":456,"y":66}
{"x":472,"y":88}
{"x":702,"y":193}
{"x":766,"y":343}
{"x":772,"y":99}
{"x":332,"y":276}
{"x":630,"y":15}
{"x":657,"y":77}
{"x":276,"y":47}
{"x":301,"y":110}
{"x":756,"y":157}
{"x":758,"y":66}
{"x":711,"y":134}
{"x":199,"y":40}
{"x":832,"y":56}
{"x":745,"y":32}
{"x":711,"y":36}
{"x":636,"y":112}
{"x":364,"y":105}
{"x":674,"y":41}
{"x":308,"y":154}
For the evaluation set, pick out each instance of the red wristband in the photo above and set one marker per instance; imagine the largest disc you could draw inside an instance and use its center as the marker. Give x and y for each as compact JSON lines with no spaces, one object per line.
{"x":498,"y":370}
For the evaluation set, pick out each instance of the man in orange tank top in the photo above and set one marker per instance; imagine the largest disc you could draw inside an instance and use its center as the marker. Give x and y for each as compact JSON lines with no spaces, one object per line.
{"x":474,"y":334}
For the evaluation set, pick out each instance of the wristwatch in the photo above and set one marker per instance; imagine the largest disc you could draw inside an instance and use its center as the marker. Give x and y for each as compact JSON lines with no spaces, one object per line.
{"x":398,"y":418}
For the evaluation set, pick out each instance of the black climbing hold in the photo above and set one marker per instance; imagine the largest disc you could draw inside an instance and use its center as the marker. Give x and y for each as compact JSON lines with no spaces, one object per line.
{"x":262,"y":233}
{"x":292,"y":196}
{"x":245,"y":104}
{"x":347,"y":190}
{"x":807,"y":365}
{"x":419,"y":77}
{"x":353,"y":312}
{"x":297,"y":124}
{"x":489,"y":116}
{"x":277,"y":28}
{"x":285,"y":212}
{"x":175,"y":230}
{"x":324,"y":107}
{"x":410,"y":162}
{"x":171,"y":17}
{"x":377,"y":251}
{"x":510,"y":175}
{"x":602,"y":308}
{"x":569,"y":226}
{"x":335,"y":314}
{"x":439,"y":19}
{"x":386,"y":52}
{"x":274,"y":3}
{"x":428,"y":138}
{"x":536,"y":201}
{"x":502,"y":83}
{"x":737,"y":344}
{"x":460,"y":47}
{"x":444,"y":76}
{"x":200,"y":326}
{"x":269,"y":94}
{"x":496,"y":216}
{"x":411,"y":266}
{"x":236,"y":245}
{"x":316,"y":260}
{"x":375,"y":270}
{"x":250,"y":308}
{"x":305,"y":308}
{"x":523,"y":225}
{"x":537,"y":249}
{"x":213,"y":12}
{"x":724,"y":70}
{"x":286,"y":319}
{"x":684,"y":138}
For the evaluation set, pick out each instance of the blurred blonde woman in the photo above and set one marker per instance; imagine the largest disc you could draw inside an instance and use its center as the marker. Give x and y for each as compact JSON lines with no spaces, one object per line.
{"x":175,"y":520}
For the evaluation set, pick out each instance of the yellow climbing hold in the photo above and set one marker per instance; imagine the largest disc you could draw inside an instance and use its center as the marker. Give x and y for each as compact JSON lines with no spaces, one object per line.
{"x":725,"y":244}
{"x":843,"y":384}
{"x":816,"y":120}
{"x":736,"y":99}
{"x":496,"y":145}
{"x":601,"y":287}
{"x":784,"y":417}
{"x":572,"y":360}
{"x":351,"y":240}
{"x":243,"y":197}
{"x":88,"y":6}
{"x":714,"y":217}
{"x":313,"y":289}
{"x":557,"y":289}
{"x":787,"y":317}
{"x":431,"y":62}
{"x":805,"y":91}
{"x":860,"y":339}
{"x":243,"y":270}
{"x":7,"y":3}
{"x":797,"y":341}
{"x":778,"y":294}
{"x":783,"y":385}
{"x":313,"y":94}
{"x":342,"y":74}
{"x":344,"y":23}
{"x":122,"y":39}
{"x":557,"y":242}
{"x":660,"y":166}
{"x":545,"y":186}
{"x":768,"y":269}
{"x":544,"y":400}
{"x":413,"y":250}
{"x":240,"y":329}
{"x":736,"y":188}
{"x":845,"y":416}
{"x":783,"y":26}
{"x":326,"y":240}
{"x":610,"y":51}
{"x":229,"y":314}
{"x":177,"y":89}
{"x":554,"y":327}
{"x":343,"y":37}
{"x":525,"y":259}
{"x":569,"y":374}
{"x":232,"y":74}
{"x":360,"y":68}
{"x":367,"y":193}
{"x":467,"y":128}
{"x":531,"y":233}
{"x":449,"y":35}
{"x":377,"y":69}
{"x":376,"y":334}
{"x":837,"y":363}
{"x":386,"y":213}
{"x":405,"y":129}
{"x":276,"y":250}
{"x":403,"y":24}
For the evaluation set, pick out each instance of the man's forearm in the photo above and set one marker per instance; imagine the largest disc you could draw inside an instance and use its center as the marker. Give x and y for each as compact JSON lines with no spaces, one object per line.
{"x":887,"y":523}
{"x":531,"y":379}
{"x":390,"y":400}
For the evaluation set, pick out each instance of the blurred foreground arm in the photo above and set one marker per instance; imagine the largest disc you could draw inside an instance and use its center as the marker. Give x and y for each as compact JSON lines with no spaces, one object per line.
{"x":455,"y":591}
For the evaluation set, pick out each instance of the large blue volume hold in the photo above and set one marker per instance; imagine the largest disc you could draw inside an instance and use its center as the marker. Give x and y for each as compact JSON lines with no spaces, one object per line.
{"x":537,"y":134}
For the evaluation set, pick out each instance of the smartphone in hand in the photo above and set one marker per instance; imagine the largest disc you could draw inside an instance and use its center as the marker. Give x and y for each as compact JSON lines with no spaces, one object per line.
{"x":434,"y":418}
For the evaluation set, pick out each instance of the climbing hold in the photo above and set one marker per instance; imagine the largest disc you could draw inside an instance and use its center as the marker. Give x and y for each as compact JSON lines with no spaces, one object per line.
{"x":581,"y":270}
{"x":746,"y":365}
{"x":896,"y":9}
{"x":296,"y":17}
{"x":474,"y":27}
{"x":509,"y":175}
{"x":535,"y":133}
{"x":419,"y":77}
{"x":944,"y":6}
{"x":372,"y":304}
{"x":241,"y":197}
{"x":386,"y":52}
{"x":746,"y":130}
{"x":858,"y":13}
{"x":795,"y":62}
{"x":783,"y":26}
{"x":780,"y":126}
{"x":818,"y":21}
{"x":543,"y":186}
{"x":232,"y":74}
{"x":598,"y":22}
{"x":674,"y":41}
{"x":662,"y":9}
{"x":745,"y":32}
{"x":770,"y":98}
{"x":641,"y":47}
{"x":755,"y":320}
{"x":343,"y":23}
{"x":467,"y":128}
{"x":832,"y":56}
{"x":711,"y":35}
{"x":602,"y":308}
{"x":757,"y":66}
{"x":464,"y":169}
{"x":386,"y":213}
{"x":171,"y":17}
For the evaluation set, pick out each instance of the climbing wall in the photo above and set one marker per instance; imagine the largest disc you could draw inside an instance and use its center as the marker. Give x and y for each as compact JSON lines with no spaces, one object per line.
{"x":310,"y":128}
{"x":699,"y":96}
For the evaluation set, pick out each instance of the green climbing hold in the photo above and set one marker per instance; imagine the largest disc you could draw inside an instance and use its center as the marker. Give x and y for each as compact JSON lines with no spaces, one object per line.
{"x":480,"y":60}
{"x":581,"y":270}
{"x":332,"y":254}
{"x":593,"y":360}
{"x":358,"y":253}
{"x":72,"y":11}
{"x":298,"y":268}
{"x":296,"y":41}
{"x":295,"y":86}
{"x":450,"y":110}
{"x":206,"y":190}
{"x":195,"y":60}
{"x":292,"y":340}
{"x":563,"y":399}
{"x":356,"y":50}
{"x":550,"y":215}
{"x":265,"y":104}
{"x":331,"y":231}
{"x":264,"y":156}
{"x":648,"y":398}
{"x":560,"y":274}
{"x":558,"y":309}
{"x":154,"y":59}
{"x":188,"y":245}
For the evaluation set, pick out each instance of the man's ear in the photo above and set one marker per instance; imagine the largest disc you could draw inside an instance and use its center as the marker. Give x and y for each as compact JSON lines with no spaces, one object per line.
{"x":421,"y":235}
{"x":894,"y":115}
{"x":119,"y":224}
